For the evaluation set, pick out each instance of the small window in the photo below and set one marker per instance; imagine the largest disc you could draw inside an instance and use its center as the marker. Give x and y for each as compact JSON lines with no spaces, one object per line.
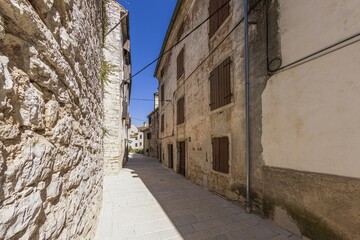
{"x":149,"y":136}
{"x":136,"y":139}
{"x":149,"y":120}
{"x":219,"y":10}
{"x":180,"y":111}
{"x":220,"y":88}
{"x":135,"y":144}
{"x":220,"y":148}
{"x":180,"y":64}
{"x":140,"y":144}
{"x":162,"y":93}
{"x":180,"y":31}
{"x":162,"y":122}
{"x":140,"y":136}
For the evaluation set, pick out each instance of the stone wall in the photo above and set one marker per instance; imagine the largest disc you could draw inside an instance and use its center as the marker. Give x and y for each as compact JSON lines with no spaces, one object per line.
{"x":50,"y":118}
{"x":116,"y":87}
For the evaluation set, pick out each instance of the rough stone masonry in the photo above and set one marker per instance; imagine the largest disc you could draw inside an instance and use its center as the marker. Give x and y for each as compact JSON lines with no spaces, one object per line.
{"x":50,"y":118}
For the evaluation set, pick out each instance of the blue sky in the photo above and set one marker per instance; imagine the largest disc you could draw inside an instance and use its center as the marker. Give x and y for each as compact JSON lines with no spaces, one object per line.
{"x":148,"y":24}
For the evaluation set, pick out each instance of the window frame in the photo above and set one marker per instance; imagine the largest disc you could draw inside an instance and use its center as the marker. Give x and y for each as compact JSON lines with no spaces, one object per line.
{"x":220,"y":160}
{"x":180,"y":111}
{"x":220,"y":85}
{"x":180,"y":64}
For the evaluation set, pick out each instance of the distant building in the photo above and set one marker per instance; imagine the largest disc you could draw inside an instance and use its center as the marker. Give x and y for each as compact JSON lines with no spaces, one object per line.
{"x":116,"y":71}
{"x":151,"y":134}
{"x":136,"y":137}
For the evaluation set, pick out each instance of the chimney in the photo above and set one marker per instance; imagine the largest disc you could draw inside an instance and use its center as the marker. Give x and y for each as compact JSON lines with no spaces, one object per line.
{"x":156,"y":100}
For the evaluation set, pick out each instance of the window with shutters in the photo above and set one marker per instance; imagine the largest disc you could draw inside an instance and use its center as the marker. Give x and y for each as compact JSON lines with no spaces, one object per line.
{"x":220,"y":85}
{"x":180,"y":111}
{"x":180,"y":64}
{"x":220,"y":150}
{"x":162,"y":123}
{"x":162,"y":93}
{"x":219,"y":10}
{"x":180,"y":31}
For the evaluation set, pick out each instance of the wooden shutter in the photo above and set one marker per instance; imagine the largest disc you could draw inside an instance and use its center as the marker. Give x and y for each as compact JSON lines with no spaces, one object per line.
{"x":225,"y":86}
{"x":224,"y":155}
{"x":180,"y":111}
{"x":180,"y":63}
{"x":220,"y":85}
{"x":220,"y":147}
{"x":215,"y":148}
{"x":214,"y":19}
{"x":162,"y":93}
{"x":125,"y":109}
{"x":214,"y":79}
{"x":180,"y":31}
{"x":224,"y":11}
{"x":162,"y":123}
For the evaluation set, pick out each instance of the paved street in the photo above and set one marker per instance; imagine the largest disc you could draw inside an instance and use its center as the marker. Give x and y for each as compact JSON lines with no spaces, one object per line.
{"x":148,"y":201}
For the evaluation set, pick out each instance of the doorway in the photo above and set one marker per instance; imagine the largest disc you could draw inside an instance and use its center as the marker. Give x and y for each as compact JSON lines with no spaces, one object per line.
{"x":182,"y":158}
{"x":170,"y":156}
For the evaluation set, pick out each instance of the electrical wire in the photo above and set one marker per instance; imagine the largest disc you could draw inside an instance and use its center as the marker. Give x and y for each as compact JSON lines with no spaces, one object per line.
{"x":320,"y":53}
{"x":177,"y":43}
{"x":216,"y":47}
{"x":142,"y":99}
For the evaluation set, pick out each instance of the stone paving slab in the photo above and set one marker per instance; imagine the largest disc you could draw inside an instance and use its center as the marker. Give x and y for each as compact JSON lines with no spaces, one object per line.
{"x":148,"y":201}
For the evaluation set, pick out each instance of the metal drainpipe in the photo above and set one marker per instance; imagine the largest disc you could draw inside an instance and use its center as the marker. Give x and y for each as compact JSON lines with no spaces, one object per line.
{"x":247,"y":105}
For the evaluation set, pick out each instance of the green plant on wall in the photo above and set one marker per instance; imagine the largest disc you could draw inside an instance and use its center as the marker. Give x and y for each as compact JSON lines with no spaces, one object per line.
{"x":106,"y":69}
{"x":105,"y":132}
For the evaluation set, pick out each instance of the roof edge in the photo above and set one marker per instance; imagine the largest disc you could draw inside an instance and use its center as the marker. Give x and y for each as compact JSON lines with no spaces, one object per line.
{"x":171,"y":24}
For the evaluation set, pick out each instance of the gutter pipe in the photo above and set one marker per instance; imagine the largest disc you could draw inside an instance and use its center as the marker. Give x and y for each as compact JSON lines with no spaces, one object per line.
{"x":247,"y":108}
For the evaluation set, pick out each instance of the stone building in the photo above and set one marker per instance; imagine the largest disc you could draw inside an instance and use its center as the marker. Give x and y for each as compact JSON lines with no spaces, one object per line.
{"x":117,"y":87}
{"x":136,"y":137}
{"x":304,"y":172}
{"x":52,"y":116}
{"x":151,"y":133}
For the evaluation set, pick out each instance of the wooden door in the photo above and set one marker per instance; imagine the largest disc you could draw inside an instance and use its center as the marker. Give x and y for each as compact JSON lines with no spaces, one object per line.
{"x":182,"y":157}
{"x":170,"y":155}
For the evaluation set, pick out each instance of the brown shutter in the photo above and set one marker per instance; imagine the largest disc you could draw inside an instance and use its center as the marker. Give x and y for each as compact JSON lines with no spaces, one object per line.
{"x":180,"y":111}
{"x":180,"y":63}
{"x":215,"y":148}
{"x":162,"y":123}
{"x":214,"y":19}
{"x":125,"y":109}
{"x":214,"y":88}
{"x":180,"y":31}
{"x":224,"y":11}
{"x":224,"y":154}
{"x":162,"y":93}
{"x":226,"y":98}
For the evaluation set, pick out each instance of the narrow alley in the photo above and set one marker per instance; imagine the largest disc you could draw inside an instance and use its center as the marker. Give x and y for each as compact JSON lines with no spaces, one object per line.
{"x":148,"y":201}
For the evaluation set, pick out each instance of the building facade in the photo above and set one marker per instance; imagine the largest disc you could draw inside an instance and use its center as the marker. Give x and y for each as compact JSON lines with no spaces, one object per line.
{"x":151,"y":133}
{"x":136,"y":137}
{"x":116,"y":72}
{"x":298,"y":106}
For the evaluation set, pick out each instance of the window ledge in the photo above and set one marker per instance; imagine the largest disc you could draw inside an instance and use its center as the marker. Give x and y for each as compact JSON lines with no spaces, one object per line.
{"x":220,"y":109}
